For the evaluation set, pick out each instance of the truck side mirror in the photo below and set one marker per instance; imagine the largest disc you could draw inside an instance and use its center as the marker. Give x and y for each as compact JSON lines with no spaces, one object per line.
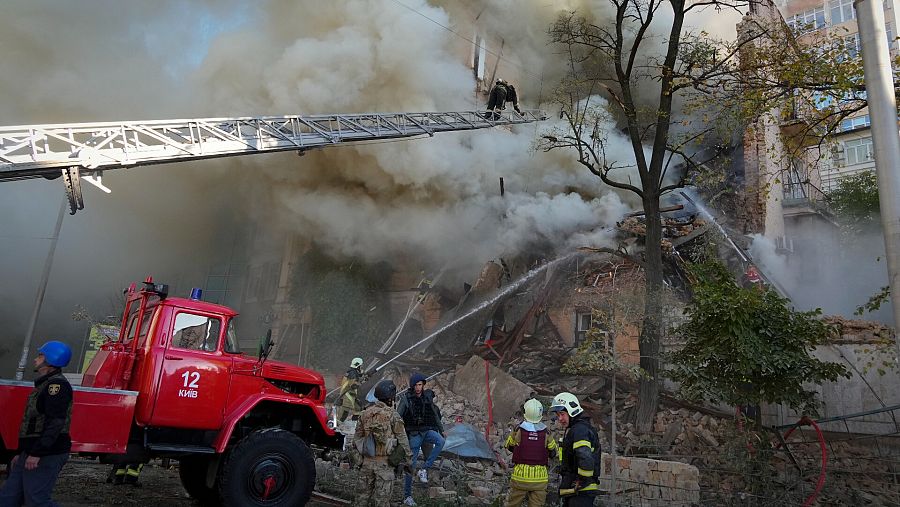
{"x":265,"y":345}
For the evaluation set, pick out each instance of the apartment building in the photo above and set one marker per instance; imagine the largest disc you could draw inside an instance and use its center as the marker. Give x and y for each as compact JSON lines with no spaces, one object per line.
{"x":852,"y":150}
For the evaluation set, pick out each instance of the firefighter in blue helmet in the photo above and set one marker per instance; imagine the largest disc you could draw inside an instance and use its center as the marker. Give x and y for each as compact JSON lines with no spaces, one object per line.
{"x":579,"y":453}
{"x":44,"y":441}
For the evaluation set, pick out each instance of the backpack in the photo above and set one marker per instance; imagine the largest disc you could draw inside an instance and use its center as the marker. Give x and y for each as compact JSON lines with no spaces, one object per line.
{"x":378,"y":438}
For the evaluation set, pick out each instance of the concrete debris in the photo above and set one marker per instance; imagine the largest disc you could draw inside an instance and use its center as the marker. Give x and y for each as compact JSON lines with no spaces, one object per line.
{"x":859,"y":331}
{"x":507,"y":394}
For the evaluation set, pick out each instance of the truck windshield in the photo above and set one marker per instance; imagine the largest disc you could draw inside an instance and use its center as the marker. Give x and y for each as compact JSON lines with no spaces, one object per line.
{"x":145,"y":324}
{"x":231,"y":341}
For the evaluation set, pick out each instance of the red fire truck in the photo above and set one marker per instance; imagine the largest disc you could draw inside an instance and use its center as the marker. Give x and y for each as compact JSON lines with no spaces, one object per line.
{"x":175,"y":384}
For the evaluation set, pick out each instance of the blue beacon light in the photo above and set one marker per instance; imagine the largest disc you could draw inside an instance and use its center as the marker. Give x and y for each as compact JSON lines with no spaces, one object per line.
{"x":196,"y":293}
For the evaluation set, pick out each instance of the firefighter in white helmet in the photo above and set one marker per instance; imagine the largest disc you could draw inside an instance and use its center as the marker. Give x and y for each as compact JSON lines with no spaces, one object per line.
{"x":579,"y":453}
{"x":532,"y":447}
{"x":348,"y":404}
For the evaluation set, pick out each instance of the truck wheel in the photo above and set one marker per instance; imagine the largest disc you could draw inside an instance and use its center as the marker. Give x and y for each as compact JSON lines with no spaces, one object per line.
{"x":192,"y":471}
{"x":270,"y":467}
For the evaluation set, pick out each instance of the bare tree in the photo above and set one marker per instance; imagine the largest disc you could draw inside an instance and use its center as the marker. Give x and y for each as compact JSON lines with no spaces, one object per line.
{"x":678,"y":109}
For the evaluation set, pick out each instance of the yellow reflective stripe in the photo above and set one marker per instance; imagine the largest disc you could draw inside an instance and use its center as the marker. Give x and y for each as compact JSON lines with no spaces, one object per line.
{"x":582,"y":443}
{"x":586,"y":473}
{"x":559,"y":453}
{"x":551,"y":444}
{"x":510,"y":441}
{"x":572,"y":491}
{"x":530,"y":473}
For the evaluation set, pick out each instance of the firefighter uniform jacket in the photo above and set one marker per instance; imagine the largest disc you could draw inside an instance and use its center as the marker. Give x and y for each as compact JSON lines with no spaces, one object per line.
{"x":48,"y":413}
{"x":350,"y":390}
{"x":531,"y":446}
{"x":580,"y":457}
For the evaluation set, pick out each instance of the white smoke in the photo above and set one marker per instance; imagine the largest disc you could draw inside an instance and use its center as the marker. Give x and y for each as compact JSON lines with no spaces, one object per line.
{"x":436,"y":200}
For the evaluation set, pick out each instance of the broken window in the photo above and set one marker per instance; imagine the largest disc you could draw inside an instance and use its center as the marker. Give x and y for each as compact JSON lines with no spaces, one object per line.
{"x":584,"y":322}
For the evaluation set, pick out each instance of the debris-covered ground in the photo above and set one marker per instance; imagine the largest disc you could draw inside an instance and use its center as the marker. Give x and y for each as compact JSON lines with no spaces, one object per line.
{"x":82,"y":483}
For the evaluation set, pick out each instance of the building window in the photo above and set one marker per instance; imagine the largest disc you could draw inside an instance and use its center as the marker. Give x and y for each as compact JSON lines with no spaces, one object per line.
{"x":479,"y":54}
{"x":841,"y":10}
{"x":858,"y":151}
{"x":852,"y":45}
{"x":808,"y":21}
{"x":855,"y":123}
{"x":254,"y":279}
{"x":793,"y":185}
{"x":584,"y":321}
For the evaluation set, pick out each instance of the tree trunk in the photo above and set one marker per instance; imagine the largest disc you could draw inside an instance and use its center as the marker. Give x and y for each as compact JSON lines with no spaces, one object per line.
{"x":651,"y":329}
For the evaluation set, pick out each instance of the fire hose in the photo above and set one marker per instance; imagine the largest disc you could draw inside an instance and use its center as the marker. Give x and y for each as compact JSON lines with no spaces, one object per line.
{"x":821,"y":482}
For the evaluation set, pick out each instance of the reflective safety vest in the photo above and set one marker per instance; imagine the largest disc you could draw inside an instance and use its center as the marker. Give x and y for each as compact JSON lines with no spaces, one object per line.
{"x":531,"y":450}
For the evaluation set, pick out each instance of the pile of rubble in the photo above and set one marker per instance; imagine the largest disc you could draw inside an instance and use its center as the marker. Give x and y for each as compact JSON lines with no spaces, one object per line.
{"x":675,"y":231}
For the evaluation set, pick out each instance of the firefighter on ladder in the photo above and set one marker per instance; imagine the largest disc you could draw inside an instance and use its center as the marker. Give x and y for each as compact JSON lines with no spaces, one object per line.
{"x":501,"y":93}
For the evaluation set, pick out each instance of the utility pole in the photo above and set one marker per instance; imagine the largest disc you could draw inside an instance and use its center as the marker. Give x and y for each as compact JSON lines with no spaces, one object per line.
{"x":879,"y":80}
{"x":42,"y":289}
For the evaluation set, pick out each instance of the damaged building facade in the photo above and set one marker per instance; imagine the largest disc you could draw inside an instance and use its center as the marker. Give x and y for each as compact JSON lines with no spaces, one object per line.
{"x":783,"y":199}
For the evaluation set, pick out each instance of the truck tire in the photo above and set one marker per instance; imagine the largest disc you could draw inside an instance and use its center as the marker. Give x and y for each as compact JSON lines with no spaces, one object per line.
{"x":192,"y":471}
{"x":270,"y":467}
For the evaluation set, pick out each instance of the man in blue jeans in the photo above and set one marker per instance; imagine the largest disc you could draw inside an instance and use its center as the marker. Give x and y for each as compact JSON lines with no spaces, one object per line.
{"x":422,"y":419}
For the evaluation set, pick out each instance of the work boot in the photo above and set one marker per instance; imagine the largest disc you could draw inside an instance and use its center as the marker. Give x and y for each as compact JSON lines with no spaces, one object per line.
{"x":423,"y":475}
{"x":409,"y":501}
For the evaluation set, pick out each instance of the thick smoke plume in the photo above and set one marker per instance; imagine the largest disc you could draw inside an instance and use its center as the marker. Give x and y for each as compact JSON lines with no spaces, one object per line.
{"x":435,"y":201}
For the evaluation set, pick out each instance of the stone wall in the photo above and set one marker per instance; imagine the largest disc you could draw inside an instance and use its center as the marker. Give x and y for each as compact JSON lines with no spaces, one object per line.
{"x":867,"y":350}
{"x":651,"y":483}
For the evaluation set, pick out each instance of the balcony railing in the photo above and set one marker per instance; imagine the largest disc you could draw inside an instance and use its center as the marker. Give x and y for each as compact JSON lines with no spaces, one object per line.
{"x":803,"y":194}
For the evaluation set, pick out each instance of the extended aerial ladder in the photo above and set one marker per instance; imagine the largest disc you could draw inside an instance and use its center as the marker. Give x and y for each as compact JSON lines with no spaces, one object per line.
{"x":84,"y":150}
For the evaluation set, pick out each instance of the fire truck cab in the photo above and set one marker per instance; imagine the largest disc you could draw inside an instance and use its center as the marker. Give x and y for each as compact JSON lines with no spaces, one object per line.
{"x":176,"y":384}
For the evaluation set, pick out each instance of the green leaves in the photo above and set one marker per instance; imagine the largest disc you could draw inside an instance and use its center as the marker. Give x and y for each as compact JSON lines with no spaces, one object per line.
{"x":746,"y":346}
{"x":855,"y":201}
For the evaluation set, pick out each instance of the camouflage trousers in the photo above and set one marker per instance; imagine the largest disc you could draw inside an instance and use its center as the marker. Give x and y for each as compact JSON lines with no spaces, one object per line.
{"x":376,"y":484}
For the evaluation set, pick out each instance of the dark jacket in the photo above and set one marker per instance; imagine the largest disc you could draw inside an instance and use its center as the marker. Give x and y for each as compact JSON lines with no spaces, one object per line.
{"x":420,"y":413}
{"x":511,"y":95}
{"x":48,"y":413}
{"x":580,"y":462}
{"x":498,"y":97}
